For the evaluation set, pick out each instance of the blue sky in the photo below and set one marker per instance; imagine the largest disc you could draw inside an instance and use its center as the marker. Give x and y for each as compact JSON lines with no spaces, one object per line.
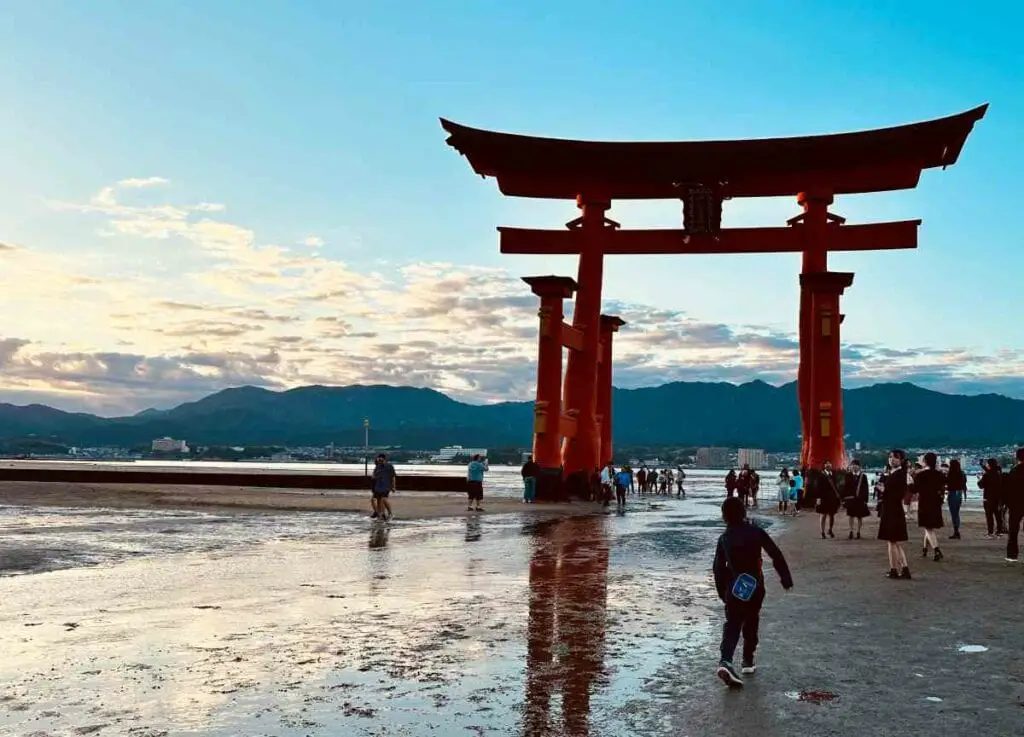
{"x":302,"y":139}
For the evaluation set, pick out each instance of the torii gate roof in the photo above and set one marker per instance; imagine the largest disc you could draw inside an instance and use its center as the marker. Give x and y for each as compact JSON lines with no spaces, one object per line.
{"x":843,"y":163}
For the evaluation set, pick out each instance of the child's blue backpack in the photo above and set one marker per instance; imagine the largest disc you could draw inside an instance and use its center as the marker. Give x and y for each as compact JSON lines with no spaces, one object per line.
{"x":745,"y":585}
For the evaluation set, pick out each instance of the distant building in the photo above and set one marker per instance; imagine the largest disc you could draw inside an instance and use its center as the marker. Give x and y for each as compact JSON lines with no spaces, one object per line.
{"x":752,"y":457}
{"x":456,"y":453}
{"x":169,"y":445}
{"x":712,"y":457}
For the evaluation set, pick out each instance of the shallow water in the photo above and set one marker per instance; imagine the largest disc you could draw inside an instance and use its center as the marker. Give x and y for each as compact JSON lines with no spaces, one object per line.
{"x":188,"y":623}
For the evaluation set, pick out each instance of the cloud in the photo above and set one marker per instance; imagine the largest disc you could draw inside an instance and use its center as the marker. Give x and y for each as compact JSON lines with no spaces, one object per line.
{"x":313,"y":241}
{"x":174,"y":301}
{"x":140,"y":183}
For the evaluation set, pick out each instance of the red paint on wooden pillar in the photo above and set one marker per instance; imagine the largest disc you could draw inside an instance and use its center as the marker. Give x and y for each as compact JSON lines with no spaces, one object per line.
{"x":815,"y":260}
{"x":826,"y":399}
{"x":581,"y":452}
{"x":547,"y":409}
{"x":610,"y":325}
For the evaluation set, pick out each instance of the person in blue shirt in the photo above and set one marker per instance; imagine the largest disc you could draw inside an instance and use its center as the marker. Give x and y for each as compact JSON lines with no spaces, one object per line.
{"x":622,"y":481}
{"x":475,"y":482}
{"x":739,"y":579}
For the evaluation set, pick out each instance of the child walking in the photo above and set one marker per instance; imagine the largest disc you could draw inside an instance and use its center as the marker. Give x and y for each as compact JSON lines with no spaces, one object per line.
{"x":740,"y":582}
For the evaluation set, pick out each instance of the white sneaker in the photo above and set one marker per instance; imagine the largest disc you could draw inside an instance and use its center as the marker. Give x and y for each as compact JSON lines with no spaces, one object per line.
{"x":1013,"y":560}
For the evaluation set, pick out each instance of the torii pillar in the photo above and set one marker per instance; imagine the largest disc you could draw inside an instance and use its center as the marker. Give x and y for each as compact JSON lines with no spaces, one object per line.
{"x":824,"y":435}
{"x":549,"y":425}
{"x":610,"y":325}
{"x":582,"y":454}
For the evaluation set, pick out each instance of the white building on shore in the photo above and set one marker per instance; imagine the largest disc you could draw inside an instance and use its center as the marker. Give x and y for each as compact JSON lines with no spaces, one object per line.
{"x":712,"y":458}
{"x":752,"y":457}
{"x":169,"y":445}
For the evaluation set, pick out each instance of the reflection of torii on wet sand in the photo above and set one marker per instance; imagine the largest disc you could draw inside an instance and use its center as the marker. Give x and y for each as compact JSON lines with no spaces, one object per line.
{"x":566,"y":627}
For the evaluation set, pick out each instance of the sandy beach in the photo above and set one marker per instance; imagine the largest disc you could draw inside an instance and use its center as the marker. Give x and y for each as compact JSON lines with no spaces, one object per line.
{"x":153,"y":619}
{"x":410,"y":505}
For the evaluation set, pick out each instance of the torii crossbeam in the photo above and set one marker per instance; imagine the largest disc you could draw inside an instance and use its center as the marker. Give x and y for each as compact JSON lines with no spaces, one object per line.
{"x":701,"y":174}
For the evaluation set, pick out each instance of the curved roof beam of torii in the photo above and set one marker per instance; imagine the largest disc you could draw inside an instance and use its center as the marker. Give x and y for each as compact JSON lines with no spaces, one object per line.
{"x":840,"y":163}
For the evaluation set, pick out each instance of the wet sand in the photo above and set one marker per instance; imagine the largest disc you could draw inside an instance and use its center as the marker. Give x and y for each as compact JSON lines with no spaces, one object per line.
{"x":406,"y":504}
{"x":151,"y":621}
{"x":890,"y":651}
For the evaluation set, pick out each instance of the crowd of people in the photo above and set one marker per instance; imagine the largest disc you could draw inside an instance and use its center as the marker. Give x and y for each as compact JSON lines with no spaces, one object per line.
{"x":904,"y":490}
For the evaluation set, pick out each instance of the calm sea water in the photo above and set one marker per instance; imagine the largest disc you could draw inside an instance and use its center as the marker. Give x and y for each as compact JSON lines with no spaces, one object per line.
{"x":503,"y":481}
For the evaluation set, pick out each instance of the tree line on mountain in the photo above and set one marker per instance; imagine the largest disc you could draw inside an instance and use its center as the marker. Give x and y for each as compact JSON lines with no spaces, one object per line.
{"x":755,"y":414}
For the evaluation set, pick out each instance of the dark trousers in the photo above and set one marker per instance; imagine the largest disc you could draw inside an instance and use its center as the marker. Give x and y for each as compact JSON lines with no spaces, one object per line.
{"x":992,"y":516}
{"x":1012,"y":546}
{"x":620,"y":494}
{"x":741,"y":617}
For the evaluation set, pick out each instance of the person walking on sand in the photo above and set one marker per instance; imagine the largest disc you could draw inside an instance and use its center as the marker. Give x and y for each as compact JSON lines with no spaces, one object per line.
{"x":739,"y":580}
{"x":475,"y":483}
{"x":1013,"y":493}
{"x":930,"y":485}
{"x":827,"y":495}
{"x":892,"y":527}
{"x":530,"y":471}
{"x":383,"y":480}
{"x":856,"y":500}
{"x":607,"y":484}
{"x":990,"y":484}
{"x":641,"y":481}
{"x":783,"y":494}
{"x":755,"y":487}
{"x":680,"y":477}
{"x":743,"y":486}
{"x":730,"y":482}
{"x":956,"y":493}
{"x":621,"y":484}
{"x":798,"y":491}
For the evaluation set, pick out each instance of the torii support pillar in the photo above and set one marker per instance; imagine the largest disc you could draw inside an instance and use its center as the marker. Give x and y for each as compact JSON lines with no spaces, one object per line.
{"x":825,"y":434}
{"x":581,"y":454}
{"x":610,"y":325}
{"x":547,"y":409}
{"x":814,"y":224}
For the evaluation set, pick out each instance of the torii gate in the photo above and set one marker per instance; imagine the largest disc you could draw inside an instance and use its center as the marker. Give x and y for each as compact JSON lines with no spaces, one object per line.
{"x":701,"y":174}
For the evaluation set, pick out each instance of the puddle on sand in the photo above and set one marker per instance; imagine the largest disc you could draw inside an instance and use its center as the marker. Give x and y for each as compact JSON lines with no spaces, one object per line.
{"x":812,"y":697}
{"x":972,"y":649}
{"x":320,"y":624}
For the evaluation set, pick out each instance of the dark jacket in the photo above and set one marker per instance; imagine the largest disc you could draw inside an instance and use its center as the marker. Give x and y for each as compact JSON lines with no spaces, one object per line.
{"x":1013,"y":488}
{"x":530,"y":470}
{"x":745,"y":543}
{"x":991,"y":484}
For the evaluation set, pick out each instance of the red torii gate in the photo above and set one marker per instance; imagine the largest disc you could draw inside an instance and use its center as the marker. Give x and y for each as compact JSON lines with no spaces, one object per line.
{"x":702,"y":174}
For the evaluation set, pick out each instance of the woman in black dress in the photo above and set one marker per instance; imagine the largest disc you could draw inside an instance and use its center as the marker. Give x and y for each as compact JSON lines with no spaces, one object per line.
{"x":892,"y":527}
{"x":856,"y":498}
{"x":826,"y":489}
{"x":930,"y":485}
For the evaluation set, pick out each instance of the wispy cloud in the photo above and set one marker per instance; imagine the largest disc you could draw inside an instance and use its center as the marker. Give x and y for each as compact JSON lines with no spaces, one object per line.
{"x":141,"y":182}
{"x":206,"y":305}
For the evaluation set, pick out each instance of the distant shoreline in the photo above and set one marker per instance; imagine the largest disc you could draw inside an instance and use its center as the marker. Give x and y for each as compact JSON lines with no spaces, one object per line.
{"x":406,"y":504}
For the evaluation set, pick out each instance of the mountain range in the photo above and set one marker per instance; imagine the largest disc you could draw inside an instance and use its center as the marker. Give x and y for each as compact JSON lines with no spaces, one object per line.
{"x":755,"y":414}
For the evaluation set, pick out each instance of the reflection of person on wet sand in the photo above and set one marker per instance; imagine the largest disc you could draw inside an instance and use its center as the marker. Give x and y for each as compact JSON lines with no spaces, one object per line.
{"x":379,"y":537}
{"x":472,"y":529}
{"x":739,"y":579}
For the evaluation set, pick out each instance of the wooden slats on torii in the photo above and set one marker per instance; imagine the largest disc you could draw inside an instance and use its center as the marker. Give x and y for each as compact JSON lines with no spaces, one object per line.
{"x":702,"y":174}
